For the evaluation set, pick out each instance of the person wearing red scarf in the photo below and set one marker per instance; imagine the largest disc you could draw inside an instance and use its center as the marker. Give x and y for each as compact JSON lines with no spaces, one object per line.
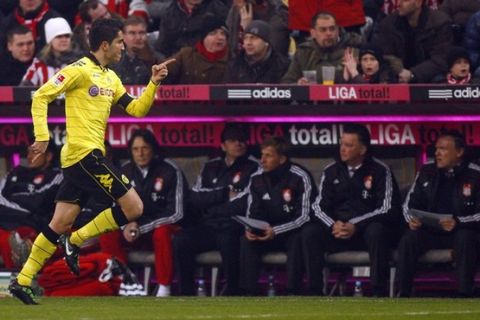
{"x":33,"y":15}
{"x":206,"y":61}
{"x":458,"y":61}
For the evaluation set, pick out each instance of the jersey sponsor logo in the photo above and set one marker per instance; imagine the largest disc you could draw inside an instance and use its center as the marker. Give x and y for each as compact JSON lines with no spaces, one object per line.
{"x":59,"y":79}
{"x":105,"y":180}
{"x":467,"y":189}
{"x":158,"y":185}
{"x":367,"y":182}
{"x":287,"y":195}
{"x":236,"y":177}
{"x":38,"y":179}
{"x":95,"y":90}
{"x":125,"y":179}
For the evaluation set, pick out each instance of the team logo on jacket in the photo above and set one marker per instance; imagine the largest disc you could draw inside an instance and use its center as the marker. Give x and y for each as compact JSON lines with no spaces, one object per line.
{"x":367,"y":182}
{"x":59,"y":79}
{"x":38,"y":179}
{"x":236,"y":177}
{"x":158,"y":185}
{"x":467,"y":189}
{"x":125,"y":179}
{"x":287,"y":195}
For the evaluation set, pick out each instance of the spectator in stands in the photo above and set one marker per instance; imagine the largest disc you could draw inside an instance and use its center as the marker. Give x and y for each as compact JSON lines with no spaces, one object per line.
{"x":373,"y":68}
{"x":459,"y":11}
{"x":27,"y":202}
{"x":182,"y":21}
{"x":472,"y":41}
{"x":274,"y":12}
{"x":56,"y":54}
{"x":326,"y":48}
{"x":258,"y":62}
{"x":33,"y":14}
{"x":458,"y":63}
{"x":68,"y":9}
{"x":349,"y":14}
{"x":217,"y":196}
{"x":138,"y":57}
{"x":19,"y":55}
{"x":358,"y":208}
{"x":206,"y":61}
{"x":417,"y":39}
{"x":163,"y":190}
{"x":391,"y":6}
{"x":280,"y":194}
{"x":450,"y":185}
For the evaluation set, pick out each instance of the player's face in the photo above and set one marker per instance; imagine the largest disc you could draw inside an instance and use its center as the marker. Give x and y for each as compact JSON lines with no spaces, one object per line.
{"x":142,"y":152}
{"x":22,"y":47}
{"x":234,"y":148}
{"x":271,"y":159}
{"x":352,"y":151}
{"x":114,"y":52}
{"x":325,"y":32}
{"x":446,"y":155}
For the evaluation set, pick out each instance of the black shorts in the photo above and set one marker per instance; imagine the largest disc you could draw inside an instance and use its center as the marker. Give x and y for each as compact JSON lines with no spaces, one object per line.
{"x":92,"y":177}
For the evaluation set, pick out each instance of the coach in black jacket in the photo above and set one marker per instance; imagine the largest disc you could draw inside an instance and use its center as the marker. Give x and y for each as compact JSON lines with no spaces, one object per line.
{"x":216,"y":197}
{"x":164,"y":190}
{"x":451,"y":185}
{"x":358,"y":208}
{"x":280,"y":194}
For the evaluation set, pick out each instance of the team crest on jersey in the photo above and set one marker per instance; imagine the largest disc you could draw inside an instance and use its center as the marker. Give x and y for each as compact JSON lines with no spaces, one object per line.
{"x":236,"y":177}
{"x":367,"y":182}
{"x":467,"y":189}
{"x":287,"y":195}
{"x":59,"y":79}
{"x":38,"y":179}
{"x":125,"y":179}
{"x":158,"y":185}
{"x":93,"y":90}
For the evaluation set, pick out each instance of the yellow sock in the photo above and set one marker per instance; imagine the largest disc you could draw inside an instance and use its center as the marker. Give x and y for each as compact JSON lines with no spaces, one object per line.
{"x":42,"y":249}
{"x":102,"y":223}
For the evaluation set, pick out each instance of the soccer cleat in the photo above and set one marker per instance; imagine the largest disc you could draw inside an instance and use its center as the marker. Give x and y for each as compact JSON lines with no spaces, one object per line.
{"x":22,"y":293}
{"x":70,"y":253}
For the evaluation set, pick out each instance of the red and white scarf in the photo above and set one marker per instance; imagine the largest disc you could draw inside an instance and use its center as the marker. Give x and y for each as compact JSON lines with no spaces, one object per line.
{"x":32,"y":24}
{"x":452,"y":80}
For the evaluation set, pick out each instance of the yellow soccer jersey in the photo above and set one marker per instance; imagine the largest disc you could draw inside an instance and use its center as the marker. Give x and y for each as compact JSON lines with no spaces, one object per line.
{"x":90,"y":92}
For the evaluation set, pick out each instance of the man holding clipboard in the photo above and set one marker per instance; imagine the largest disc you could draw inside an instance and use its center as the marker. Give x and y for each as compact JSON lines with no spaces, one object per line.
{"x":442,"y":210}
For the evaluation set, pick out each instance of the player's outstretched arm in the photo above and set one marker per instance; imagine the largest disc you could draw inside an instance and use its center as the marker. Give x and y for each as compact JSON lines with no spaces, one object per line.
{"x":141,"y":106}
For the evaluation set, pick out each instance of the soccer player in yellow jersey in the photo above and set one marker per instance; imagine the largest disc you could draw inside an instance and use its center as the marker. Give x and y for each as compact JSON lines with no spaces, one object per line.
{"x":90,"y":89}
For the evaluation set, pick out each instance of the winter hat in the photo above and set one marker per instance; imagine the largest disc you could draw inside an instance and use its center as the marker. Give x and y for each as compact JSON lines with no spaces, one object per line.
{"x":260,"y":29}
{"x":456,"y":53}
{"x":56,"y":27}
{"x":212,"y":23}
{"x":373,"y":50}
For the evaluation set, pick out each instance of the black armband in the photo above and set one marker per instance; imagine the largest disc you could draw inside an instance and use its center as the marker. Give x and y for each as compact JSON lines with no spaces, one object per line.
{"x":124,"y":100}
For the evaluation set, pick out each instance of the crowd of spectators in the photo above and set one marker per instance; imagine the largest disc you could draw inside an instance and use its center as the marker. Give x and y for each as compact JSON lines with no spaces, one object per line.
{"x":412,"y":40}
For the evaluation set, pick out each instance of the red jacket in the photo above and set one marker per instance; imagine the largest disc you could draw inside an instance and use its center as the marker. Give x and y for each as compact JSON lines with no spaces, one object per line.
{"x":347,"y":12}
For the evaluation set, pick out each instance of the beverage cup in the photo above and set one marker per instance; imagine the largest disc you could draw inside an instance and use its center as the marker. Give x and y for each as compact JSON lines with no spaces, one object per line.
{"x":310,"y":75}
{"x":328,"y":75}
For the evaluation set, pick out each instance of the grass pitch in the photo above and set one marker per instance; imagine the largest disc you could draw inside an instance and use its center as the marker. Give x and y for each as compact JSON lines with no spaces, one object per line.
{"x":298,"y":308}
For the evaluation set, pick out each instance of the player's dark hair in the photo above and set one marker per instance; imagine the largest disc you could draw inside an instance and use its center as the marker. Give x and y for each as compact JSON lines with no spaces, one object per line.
{"x":280,"y":145}
{"x":104,"y":30}
{"x":148,"y":137}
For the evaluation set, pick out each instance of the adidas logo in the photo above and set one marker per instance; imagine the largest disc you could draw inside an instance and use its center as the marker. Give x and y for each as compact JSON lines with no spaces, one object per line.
{"x":266,"y":196}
